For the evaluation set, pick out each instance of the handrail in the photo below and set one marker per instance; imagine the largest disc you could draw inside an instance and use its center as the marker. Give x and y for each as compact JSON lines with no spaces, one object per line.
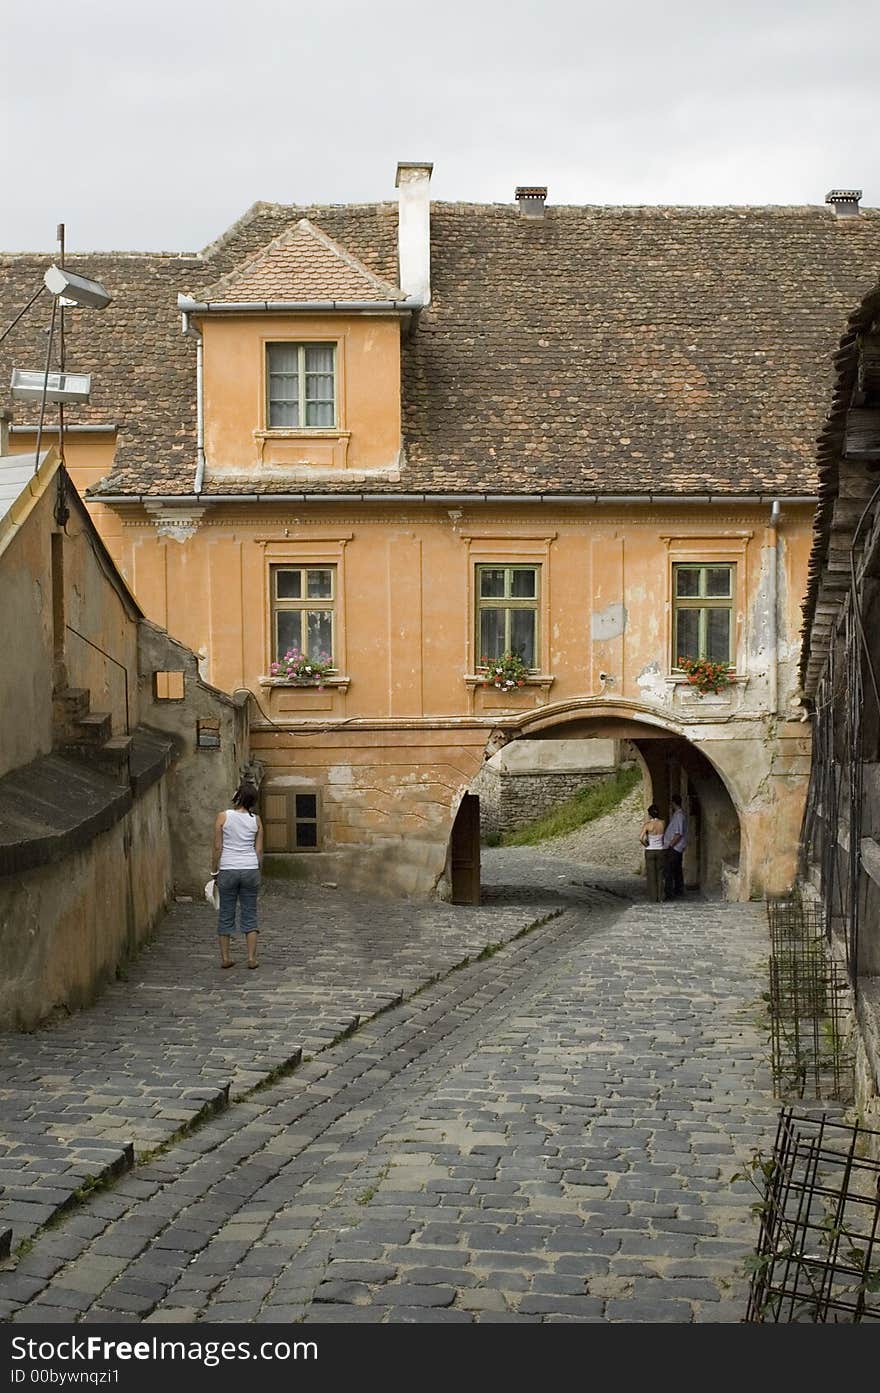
{"x":98,"y":649}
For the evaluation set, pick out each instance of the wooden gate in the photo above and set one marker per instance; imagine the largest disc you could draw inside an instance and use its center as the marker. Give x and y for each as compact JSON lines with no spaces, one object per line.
{"x":466,"y":852}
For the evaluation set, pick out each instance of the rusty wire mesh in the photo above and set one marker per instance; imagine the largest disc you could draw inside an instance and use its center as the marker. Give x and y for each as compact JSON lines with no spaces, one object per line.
{"x":817,"y":1255}
{"x":807,"y":1004}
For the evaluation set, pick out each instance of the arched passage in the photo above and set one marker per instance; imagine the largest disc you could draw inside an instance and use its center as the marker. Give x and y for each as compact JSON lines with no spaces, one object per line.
{"x":674,"y":765}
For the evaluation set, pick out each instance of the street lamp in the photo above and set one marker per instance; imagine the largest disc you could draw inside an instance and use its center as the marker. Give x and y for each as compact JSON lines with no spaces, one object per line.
{"x":67,"y":290}
{"x":75,"y":290}
{"x":60,"y":387}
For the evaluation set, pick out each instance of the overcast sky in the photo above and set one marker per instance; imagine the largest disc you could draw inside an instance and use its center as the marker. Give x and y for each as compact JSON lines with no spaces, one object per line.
{"x":152,"y":126}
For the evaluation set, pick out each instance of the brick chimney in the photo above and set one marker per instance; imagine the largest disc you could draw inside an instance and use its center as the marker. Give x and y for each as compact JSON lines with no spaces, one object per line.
{"x":845,"y":202}
{"x":414,"y":229}
{"x":531,"y":199}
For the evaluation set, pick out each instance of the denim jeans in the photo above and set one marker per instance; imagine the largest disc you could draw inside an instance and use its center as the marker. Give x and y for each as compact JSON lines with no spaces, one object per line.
{"x":674,"y":873}
{"x":238,"y":887}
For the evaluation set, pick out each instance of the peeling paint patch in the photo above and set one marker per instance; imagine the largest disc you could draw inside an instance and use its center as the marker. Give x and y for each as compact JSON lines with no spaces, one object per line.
{"x":608,"y":623}
{"x":650,"y":681}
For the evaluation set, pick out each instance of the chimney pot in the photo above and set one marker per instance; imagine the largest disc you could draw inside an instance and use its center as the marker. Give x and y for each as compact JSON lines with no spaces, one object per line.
{"x":5,"y":418}
{"x":845,"y":202}
{"x":531,"y":199}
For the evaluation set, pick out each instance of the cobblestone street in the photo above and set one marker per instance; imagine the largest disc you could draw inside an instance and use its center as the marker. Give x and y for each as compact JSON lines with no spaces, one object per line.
{"x":546,"y":1133}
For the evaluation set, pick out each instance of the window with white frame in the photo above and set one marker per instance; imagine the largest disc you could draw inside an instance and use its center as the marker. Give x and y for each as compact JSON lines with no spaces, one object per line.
{"x":303,"y":611}
{"x":508,"y":598}
{"x":301,"y":386}
{"x":703,"y":618}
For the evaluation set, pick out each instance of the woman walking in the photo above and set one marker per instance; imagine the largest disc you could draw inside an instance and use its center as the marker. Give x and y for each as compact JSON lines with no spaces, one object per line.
{"x":238,"y":857}
{"x":651,"y":838}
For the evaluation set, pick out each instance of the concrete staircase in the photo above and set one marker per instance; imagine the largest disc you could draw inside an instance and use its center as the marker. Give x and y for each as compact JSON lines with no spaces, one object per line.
{"x":88,"y":734}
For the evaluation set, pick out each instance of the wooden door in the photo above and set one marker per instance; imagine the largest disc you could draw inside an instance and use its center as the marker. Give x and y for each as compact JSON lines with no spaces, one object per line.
{"x":466,"y":852}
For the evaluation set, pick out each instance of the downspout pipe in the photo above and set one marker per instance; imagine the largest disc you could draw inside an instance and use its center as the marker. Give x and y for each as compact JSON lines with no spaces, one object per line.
{"x":194,"y":333}
{"x":772,"y":606}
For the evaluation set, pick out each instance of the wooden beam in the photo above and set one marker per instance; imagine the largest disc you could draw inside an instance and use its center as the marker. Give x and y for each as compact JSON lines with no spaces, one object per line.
{"x":862,"y":433}
{"x":869,"y":365}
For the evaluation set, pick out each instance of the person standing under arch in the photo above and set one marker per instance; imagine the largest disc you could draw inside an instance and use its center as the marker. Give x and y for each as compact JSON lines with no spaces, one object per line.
{"x":675,"y":842}
{"x":651,"y":838}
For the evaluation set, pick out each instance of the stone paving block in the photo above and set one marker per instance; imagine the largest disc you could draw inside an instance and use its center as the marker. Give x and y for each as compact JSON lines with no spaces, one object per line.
{"x":437,"y":1276}
{"x":373,"y":1272}
{"x":69,"y":1299}
{"x":420,"y":1315}
{"x":409,"y":1295}
{"x":343,"y":1292}
{"x":237,"y":1313}
{"x":170,"y":1315}
{"x":18,"y":1287}
{"x":39,"y":1314}
{"x":354,"y":1315}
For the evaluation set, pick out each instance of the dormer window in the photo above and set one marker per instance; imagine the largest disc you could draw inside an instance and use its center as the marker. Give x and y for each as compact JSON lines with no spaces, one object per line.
{"x":301,"y":381}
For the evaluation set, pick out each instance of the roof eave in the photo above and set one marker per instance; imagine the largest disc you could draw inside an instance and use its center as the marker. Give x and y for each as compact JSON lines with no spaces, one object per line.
{"x":186,"y":305}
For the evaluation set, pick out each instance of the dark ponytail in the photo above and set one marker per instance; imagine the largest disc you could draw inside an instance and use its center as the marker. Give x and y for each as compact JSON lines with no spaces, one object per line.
{"x":246,"y":798}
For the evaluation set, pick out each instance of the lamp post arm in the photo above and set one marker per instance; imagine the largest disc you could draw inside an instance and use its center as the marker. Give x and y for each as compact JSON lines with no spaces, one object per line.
{"x":32,"y":301}
{"x":45,"y":383}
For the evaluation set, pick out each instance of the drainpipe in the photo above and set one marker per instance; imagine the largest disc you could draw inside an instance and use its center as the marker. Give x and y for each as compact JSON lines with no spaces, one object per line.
{"x":773,"y":592}
{"x":194,"y":333}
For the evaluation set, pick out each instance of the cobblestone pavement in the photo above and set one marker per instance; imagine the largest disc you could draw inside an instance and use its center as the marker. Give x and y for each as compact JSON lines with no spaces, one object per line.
{"x":546,"y":1134}
{"x":175,"y":1037}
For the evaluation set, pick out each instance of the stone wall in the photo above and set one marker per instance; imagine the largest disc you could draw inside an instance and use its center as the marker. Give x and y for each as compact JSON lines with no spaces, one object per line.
{"x":508,"y":801}
{"x":528,"y":778}
{"x":209,"y":734}
{"x":67,"y":924}
{"x":388,"y":800}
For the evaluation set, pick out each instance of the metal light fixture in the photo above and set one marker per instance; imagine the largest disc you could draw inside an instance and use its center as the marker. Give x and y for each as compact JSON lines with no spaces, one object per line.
{"x":61,"y":387}
{"x":76,"y":290}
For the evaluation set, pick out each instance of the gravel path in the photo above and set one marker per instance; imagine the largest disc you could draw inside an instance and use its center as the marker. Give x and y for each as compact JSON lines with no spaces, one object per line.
{"x":611,"y":842}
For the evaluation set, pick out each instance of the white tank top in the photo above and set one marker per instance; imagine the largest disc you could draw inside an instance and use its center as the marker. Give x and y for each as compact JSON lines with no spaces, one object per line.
{"x":239,"y":838}
{"x":655,"y":841}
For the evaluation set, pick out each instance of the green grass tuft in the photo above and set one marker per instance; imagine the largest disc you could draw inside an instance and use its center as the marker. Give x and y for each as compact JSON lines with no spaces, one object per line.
{"x":584,"y":807}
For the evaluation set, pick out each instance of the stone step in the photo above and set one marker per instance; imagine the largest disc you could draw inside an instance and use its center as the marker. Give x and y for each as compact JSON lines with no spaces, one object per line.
{"x":115,"y":756}
{"x":76,"y":702}
{"x":96,"y":728}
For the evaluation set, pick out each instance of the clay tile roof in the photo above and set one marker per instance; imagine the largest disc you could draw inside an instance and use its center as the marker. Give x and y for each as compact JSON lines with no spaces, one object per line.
{"x":303,"y":264}
{"x":606,"y":350}
{"x":847,"y":497}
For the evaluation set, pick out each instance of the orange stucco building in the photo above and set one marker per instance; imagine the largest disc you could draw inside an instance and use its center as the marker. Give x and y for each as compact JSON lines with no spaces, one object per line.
{"x":405,"y":438}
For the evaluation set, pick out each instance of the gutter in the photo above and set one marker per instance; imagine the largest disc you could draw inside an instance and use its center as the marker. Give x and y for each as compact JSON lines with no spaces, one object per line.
{"x":683,"y":500}
{"x":68,"y":430}
{"x":188,"y":306}
{"x":772,"y":603}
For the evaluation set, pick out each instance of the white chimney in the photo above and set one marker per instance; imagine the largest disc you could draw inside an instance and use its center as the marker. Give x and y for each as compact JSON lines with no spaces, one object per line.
{"x":414,"y":229}
{"x":845,"y":202}
{"x":531,"y":199}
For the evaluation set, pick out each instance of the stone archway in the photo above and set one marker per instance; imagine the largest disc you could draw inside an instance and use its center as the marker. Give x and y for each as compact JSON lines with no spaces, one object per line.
{"x":674,"y":764}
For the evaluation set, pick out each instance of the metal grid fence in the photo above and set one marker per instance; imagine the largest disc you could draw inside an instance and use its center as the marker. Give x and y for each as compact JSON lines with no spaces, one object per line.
{"x":807,"y":1005}
{"x":817,"y":1255}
